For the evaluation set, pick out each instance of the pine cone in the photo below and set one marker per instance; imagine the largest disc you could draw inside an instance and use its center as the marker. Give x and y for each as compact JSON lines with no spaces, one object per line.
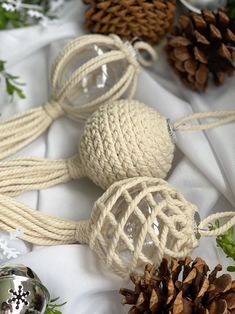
{"x":202,"y":44}
{"x":184,"y":287}
{"x":149,"y":20}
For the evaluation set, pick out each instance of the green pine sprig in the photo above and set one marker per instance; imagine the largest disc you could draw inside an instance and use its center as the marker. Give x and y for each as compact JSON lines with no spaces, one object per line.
{"x":226,"y":242}
{"x":11,"y":81}
{"x":52,"y":307}
{"x":20,"y":18}
{"x":231,"y":8}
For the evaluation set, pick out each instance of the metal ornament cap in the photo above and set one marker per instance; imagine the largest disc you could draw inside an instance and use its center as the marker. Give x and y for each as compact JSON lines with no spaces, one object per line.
{"x":21,"y":291}
{"x":197,"y":221}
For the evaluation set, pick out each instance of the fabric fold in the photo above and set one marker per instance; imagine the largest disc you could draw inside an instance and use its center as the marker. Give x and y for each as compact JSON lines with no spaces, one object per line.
{"x":205,"y":173}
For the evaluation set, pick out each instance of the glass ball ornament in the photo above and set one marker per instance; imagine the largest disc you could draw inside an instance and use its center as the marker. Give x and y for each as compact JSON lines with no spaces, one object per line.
{"x":89,"y":71}
{"x":198,"y":5}
{"x":96,"y":83}
{"x":21,"y":291}
{"x":95,"y":68}
{"x":139,"y":221}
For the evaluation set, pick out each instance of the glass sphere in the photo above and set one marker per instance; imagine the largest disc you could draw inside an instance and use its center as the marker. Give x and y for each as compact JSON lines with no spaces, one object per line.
{"x":198,"y":5}
{"x":141,"y":220}
{"x":96,"y":83}
{"x":133,"y":225}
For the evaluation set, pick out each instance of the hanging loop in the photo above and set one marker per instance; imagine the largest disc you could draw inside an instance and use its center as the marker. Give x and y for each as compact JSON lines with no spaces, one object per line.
{"x":221,"y":118}
{"x":146,"y":54}
{"x":218,"y":231}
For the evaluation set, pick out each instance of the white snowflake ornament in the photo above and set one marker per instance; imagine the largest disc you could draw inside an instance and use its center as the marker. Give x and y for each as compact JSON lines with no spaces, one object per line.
{"x":5,"y":250}
{"x":35,"y":14}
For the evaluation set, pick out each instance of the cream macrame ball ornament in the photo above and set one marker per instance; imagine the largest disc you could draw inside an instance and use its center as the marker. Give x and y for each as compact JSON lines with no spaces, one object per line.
{"x":88,"y":71}
{"x":122,"y":139}
{"x":136,"y":221}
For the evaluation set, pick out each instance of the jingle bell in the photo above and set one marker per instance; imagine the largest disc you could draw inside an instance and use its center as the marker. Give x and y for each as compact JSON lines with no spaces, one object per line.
{"x":21,"y":291}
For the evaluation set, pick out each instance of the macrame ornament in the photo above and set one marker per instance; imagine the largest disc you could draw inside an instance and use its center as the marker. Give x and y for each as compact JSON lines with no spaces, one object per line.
{"x":87,"y":72}
{"x":135,"y":222}
{"x":121,"y":140}
{"x":149,"y":20}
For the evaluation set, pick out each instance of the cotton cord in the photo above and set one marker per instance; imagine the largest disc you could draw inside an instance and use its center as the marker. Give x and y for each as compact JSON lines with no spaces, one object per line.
{"x":21,"y":129}
{"x":143,"y":47}
{"x":38,"y":228}
{"x":221,"y":118}
{"x":218,"y":231}
{"x":32,"y":173}
{"x":158,"y":214}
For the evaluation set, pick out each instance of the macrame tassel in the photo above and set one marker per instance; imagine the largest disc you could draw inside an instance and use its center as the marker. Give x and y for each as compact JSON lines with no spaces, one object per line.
{"x":25,"y":174}
{"x":38,"y":228}
{"x":23,"y":128}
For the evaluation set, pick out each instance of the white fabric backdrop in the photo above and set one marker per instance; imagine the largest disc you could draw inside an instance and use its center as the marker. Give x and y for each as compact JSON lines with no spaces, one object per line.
{"x":204,"y":168}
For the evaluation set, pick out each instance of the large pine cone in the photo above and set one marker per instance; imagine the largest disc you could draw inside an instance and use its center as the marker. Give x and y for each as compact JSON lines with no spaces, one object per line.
{"x":149,"y":20}
{"x":203,"y":44}
{"x":184,"y":287}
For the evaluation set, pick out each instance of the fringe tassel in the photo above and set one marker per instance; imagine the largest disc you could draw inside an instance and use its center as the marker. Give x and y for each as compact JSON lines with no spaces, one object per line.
{"x":38,"y":228}
{"x":25,"y":174}
{"x":23,"y":128}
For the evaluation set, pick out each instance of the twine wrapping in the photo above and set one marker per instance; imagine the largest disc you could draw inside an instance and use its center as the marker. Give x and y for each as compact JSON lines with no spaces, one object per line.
{"x":121,"y":140}
{"x":21,"y":129}
{"x":161,"y":220}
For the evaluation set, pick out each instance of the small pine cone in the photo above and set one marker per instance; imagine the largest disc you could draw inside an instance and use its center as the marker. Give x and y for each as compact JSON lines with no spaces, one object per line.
{"x":183,"y":287}
{"x":202,"y":45}
{"x":149,"y":20}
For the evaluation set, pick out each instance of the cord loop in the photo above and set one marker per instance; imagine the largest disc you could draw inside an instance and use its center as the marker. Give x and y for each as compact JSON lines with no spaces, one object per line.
{"x":127,"y":51}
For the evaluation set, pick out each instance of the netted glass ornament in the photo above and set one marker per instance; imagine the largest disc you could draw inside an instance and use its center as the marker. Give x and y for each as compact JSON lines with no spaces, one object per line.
{"x":136,"y":221}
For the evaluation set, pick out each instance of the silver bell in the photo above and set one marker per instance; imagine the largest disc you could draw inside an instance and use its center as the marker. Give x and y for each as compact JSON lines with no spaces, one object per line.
{"x":21,"y":291}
